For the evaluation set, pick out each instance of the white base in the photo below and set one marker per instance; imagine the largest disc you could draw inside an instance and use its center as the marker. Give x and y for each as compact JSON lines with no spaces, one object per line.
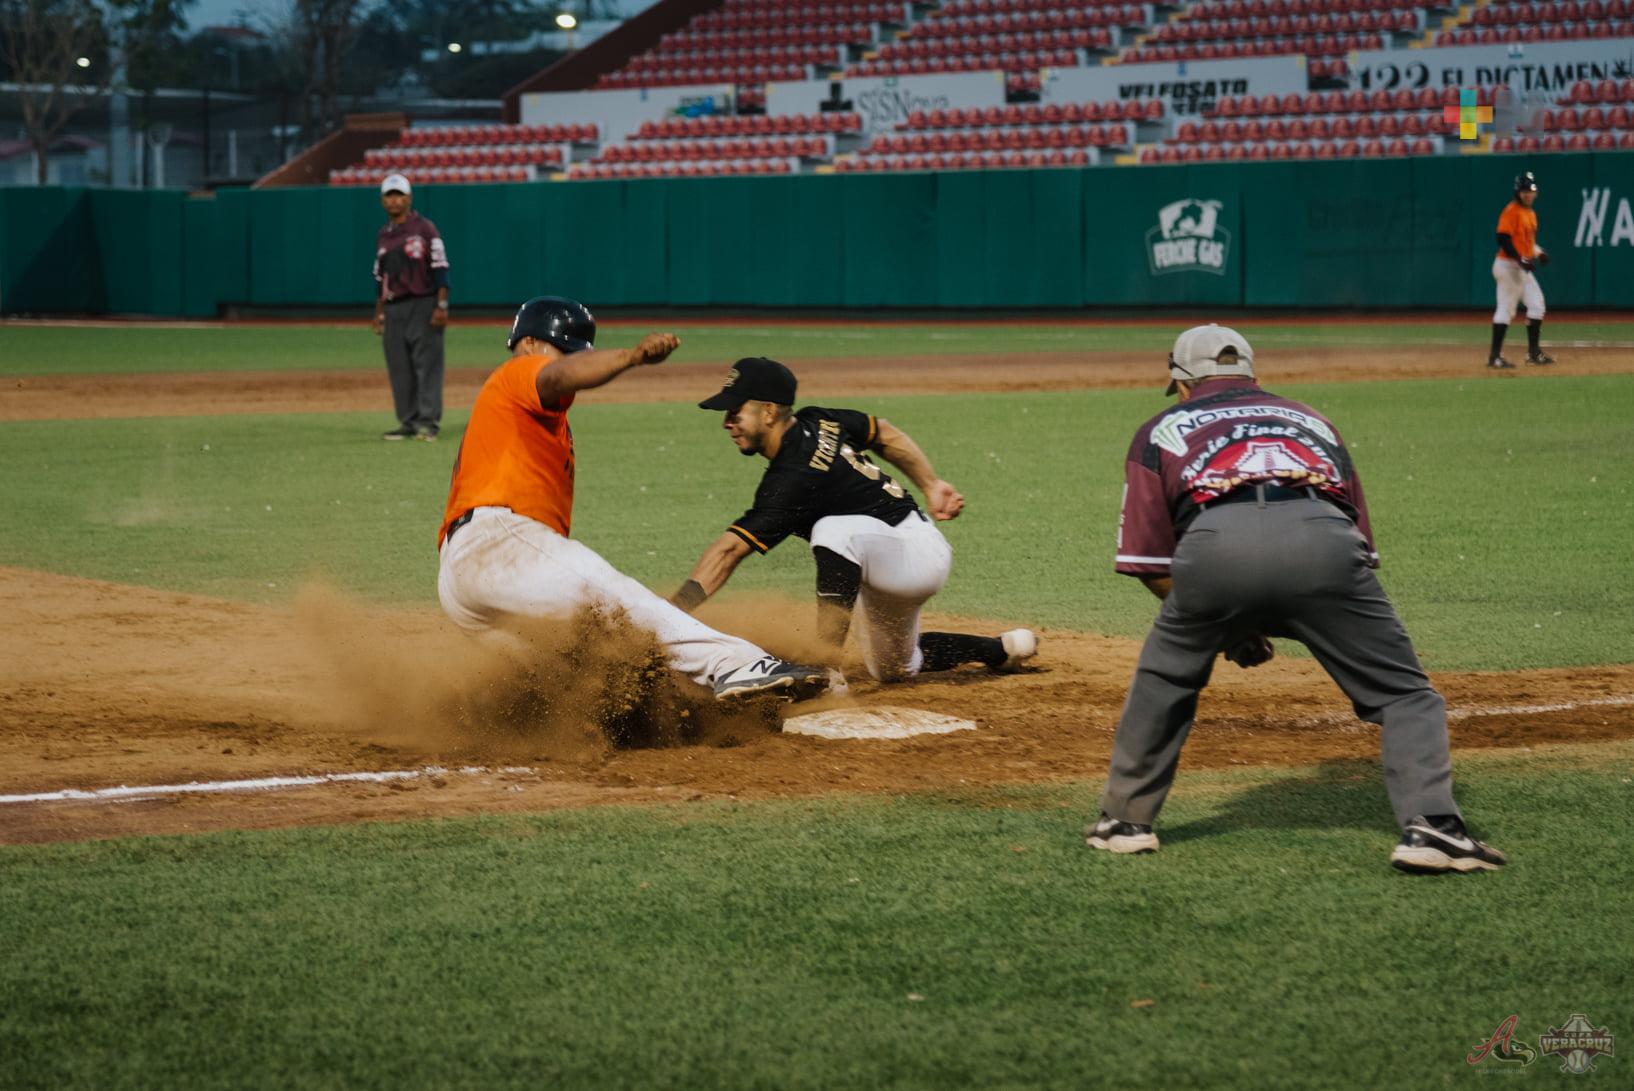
{"x":879,"y":722}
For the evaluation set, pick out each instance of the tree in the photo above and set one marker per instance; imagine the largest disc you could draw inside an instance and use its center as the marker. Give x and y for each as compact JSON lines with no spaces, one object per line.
{"x":314,"y":36}
{"x":41,"y":42}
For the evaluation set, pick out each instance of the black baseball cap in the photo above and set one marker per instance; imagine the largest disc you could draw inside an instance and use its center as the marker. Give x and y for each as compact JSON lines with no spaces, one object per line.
{"x":754,"y":379}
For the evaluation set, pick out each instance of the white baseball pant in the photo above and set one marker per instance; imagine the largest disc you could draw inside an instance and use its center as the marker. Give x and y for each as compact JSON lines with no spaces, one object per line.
{"x":501,"y":564}
{"x":902,"y":567}
{"x":1515,"y":286}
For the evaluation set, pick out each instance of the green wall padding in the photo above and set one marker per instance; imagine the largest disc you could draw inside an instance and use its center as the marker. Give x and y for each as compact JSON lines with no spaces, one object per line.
{"x":1358,"y":233}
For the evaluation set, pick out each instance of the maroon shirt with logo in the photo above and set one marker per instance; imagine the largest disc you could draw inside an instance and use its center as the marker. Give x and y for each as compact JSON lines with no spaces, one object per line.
{"x":1232,"y":435}
{"x":409,"y":258}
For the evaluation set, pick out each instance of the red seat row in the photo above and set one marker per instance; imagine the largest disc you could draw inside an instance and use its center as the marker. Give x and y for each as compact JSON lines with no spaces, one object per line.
{"x":751,"y":56}
{"x":731,"y":18}
{"x":687,"y":77}
{"x":1562,"y":11}
{"x":1002,"y":140}
{"x":1555,"y":142}
{"x":1320,"y":68}
{"x":356,"y":177}
{"x":1345,"y":102}
{"x":1345,"y":149}
{"x":1007,"y":62}
{"x":966,"y":8}
{"x":1267,"y":9}
{"x":1319,"y":45}
{"x":752,"y":125}
{"x":385,"y":160}
{"x":1321,"y":127}
{"x":765,"y":37}
{"x":1555,"y":32}
{"x":1054,"y":113}
{"x":975,"y":161}
{"x":996,"y":45}
{"x":1571,"y":120}
{"x":1129,"y":15}
{"x":1606,"y":92}
{"x":659,"y":151}
{"x":1281,"y":26}
{"x":450,"y":136}
{"x":590,"y":171}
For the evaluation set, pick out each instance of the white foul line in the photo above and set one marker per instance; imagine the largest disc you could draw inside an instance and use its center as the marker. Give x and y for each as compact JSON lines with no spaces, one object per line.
{"x":259,"y":784}
{"x":263,"y":784}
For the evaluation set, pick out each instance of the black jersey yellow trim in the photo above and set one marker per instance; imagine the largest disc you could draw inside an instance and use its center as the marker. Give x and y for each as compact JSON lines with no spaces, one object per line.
{"x":873,"y":430}
{"x":749,"y":538}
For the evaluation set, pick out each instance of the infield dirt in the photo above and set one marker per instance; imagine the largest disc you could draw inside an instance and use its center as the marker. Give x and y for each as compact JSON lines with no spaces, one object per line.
{"x":105,"y":684}
{"x":190,"y":393}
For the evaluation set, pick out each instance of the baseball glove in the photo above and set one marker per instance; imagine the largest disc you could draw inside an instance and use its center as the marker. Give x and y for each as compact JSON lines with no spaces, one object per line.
{"x":1251,"y":651}
{"x":1540,"y":259}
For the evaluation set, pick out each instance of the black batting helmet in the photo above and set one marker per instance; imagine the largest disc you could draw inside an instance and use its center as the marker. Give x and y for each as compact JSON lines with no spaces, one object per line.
{"x":565,"y":323}
{"x":1525,"y":181}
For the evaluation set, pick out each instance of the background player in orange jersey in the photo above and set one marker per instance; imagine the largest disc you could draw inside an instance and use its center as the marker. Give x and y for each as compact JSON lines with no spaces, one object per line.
{"x":504,"y":544}
{"x":1513,"y":270}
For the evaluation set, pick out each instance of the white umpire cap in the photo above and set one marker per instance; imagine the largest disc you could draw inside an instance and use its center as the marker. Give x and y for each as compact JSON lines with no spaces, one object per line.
{"x":1204,"y":352}
{"x":395,"y":183}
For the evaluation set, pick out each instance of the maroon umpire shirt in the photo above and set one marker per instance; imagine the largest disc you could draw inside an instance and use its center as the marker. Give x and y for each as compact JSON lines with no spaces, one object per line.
{"x":405,"y":255}
{"x":1231,"y":436}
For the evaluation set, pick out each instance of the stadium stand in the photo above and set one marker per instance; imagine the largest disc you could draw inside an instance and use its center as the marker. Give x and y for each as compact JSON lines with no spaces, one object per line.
{"x":1505,"y":21}
{"x":747,"y":43}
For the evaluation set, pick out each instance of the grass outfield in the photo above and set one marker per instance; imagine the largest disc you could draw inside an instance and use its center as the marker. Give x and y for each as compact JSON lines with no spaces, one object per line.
{"x":918,"y":942}
{"x":1503,"y":522}
{"x":32,"y":350}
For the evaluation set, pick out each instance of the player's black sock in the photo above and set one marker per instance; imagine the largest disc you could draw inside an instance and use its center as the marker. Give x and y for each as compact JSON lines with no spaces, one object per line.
{"x":944,"y":651}
{"x":1534,"y":332}
{"x":1498,"y":331}
{"x":838,"y":583}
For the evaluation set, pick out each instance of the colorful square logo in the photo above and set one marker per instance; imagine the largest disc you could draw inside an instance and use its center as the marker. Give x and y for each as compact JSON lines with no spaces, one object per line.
{"x":1468,"y":116}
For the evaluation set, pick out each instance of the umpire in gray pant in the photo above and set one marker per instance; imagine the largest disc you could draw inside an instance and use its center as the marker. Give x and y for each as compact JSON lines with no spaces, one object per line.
{"x":411,"y":311}
{"x":1243,"y":512}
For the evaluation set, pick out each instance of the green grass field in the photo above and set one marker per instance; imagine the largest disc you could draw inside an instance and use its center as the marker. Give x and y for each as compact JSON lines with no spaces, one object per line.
{"x":922,"y":941}
{"x":91,"y":350}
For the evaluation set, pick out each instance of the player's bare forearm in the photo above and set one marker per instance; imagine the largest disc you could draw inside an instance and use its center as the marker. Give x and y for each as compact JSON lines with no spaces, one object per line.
{"x":718,"y":563}
{"x":1158,"y":585}
{"x":942,"y":500}
{"x":899,"y":449}
{"x":597,"y":367}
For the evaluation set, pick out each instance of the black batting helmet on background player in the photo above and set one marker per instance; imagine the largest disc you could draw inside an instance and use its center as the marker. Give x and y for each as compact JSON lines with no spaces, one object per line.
{"x":565,"y":323}
{"x":1526,"y":181}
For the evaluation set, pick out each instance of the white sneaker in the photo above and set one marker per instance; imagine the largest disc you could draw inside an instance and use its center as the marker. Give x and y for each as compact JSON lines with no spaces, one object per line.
{"x":1123,"y":838}
{"x":1020,"y":645}
{"x":768,"y":674}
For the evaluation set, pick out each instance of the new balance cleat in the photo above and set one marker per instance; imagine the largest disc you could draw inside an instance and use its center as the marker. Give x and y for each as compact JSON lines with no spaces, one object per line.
{"x":1498,"y":363}
{"x":1539,"y":359}
{"x":1124,"y":838}
{"x":1431,"y":846}
{"x":771,"y":676}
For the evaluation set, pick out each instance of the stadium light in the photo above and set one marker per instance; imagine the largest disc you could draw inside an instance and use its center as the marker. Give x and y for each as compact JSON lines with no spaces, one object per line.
{"x":83,"y":62}
{"x":454,"y":47}
{"x":566,"y":20}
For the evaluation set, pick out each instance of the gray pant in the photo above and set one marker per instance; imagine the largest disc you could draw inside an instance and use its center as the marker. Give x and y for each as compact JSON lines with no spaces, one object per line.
{"x":1294,"y":568}
{"x":414,"y":361}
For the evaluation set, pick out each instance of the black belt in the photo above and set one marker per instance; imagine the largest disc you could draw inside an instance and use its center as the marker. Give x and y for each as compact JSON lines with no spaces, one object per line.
{"x":448,"y":535}
{"x":1264,"y":493}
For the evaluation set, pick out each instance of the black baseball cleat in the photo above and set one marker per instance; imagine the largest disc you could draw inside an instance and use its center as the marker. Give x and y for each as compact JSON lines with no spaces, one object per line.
{"x":770,"y":676}
{"x":1431,"y":846}
{"x":1124,"y":838}
{"x":398,"y":434}
{"x":1539,"y":359}
{"x":1498,"y":363}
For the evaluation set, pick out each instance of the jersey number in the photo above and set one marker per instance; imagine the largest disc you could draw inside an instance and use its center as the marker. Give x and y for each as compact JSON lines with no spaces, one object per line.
{"x":870,"y":471}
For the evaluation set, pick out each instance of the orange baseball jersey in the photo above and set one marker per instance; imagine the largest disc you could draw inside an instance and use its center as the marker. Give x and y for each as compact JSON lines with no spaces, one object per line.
{"x":1521,"y":225}
{"x":516,"y":453}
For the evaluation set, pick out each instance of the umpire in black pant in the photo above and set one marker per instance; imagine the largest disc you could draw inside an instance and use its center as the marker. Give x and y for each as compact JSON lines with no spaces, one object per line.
{"x":1243,"y":512}
{"x":411,"y":310}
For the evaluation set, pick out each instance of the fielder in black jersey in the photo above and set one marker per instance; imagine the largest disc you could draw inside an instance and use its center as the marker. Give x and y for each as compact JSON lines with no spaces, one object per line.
{"x":875,"y":549}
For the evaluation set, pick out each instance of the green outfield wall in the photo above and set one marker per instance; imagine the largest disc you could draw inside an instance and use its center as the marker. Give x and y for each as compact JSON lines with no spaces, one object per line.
{"x":1362,"y":233}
